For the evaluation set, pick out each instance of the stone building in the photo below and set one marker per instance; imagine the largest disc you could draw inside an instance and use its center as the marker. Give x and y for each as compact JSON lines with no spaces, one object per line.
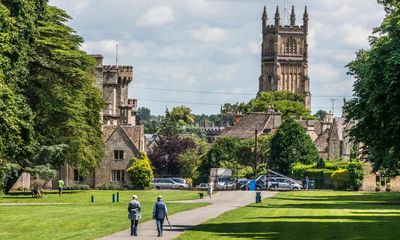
{"x":330,"y":136}
{"x":123,"y":138}
{"x":284,"y":57}
{"x":247,"y":124}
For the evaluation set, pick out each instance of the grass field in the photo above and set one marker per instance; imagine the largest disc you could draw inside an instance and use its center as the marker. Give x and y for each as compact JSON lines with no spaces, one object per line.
{"x":78,"y":218}
{"x":309,"y":215}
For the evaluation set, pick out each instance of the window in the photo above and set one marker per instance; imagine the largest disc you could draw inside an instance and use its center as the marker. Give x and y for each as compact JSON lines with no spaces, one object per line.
{"x":118,"y":155}
{"x":117,"y":175}
{"x":77,"y":177}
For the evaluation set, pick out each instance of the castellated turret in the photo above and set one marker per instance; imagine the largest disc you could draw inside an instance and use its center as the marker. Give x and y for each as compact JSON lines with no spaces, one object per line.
{"x":284,"y":56}
{"x":113,"y":81}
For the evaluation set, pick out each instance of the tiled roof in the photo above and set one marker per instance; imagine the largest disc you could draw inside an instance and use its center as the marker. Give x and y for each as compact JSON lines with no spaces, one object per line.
{"x":134,"y":133}
{"x":247,"y":124}
{"x":108,"y":130}
{"x":322,"y":141}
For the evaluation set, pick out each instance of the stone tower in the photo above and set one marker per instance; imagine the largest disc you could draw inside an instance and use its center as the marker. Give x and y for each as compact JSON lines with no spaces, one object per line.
{"x":113,"y":81}
{"x":284,"y":57}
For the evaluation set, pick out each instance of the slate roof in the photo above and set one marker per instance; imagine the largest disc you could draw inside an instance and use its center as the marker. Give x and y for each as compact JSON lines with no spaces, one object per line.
{"x":322,"y":142}
{"x":247,"y":124}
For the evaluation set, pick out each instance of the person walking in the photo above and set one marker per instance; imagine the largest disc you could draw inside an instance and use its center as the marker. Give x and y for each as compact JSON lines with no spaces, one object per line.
{"x":306,"y":183}
{"x":210,"y":188}
{"x":60,"y":187}
{"x":160,"y":212}
{"x":134,"y":214}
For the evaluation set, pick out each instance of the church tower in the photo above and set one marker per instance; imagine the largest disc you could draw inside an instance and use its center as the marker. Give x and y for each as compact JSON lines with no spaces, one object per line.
{"x":284,"y":57}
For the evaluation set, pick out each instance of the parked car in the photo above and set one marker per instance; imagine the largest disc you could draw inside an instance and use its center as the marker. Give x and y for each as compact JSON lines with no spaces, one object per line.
{"x":242,"y":184}
{"x":179,"y":180}
{"x":202,"y":186}
{"x":167,"y":183}
{"x":281,"y":183}
{"x":266,"y":182}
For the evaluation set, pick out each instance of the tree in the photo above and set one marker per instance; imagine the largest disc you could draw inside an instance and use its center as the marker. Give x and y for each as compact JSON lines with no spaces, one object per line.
{"x":246,"y":156}
{"x":140,"y":172}
{"x":144,"y":114}
{"x":375,"y":106}
{"x":169,"y":127}
{"x":320,"y":115}
{"x":190,"y":160}
{"x":223,"y":150}
{"x":289,"y":104}
{"x":48,"y":93}
{"x":165,"y":156}
{"x":290,"y":145}
{"x":182,"y":115}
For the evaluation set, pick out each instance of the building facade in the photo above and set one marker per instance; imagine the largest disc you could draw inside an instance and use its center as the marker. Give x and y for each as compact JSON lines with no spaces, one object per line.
{"x":284,"y":56}
{"x":124,"y":139}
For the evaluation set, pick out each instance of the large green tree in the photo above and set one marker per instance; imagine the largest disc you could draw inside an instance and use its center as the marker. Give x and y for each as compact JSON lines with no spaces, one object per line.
{"x":63,"y":94}
{"x":289,"y":145}
{"x":375,"y":107}
{"x":47,"y":92}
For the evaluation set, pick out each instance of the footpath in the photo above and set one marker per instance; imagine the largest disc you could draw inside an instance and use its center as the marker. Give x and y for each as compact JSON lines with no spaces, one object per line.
{"x":221,"y":202}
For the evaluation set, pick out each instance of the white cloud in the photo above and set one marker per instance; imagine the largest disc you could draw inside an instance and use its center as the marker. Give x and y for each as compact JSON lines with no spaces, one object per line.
{"x":209,"y":34}
{"x":356,"y":36}
{"x":158,"y":16}
{"x":324,"y":72}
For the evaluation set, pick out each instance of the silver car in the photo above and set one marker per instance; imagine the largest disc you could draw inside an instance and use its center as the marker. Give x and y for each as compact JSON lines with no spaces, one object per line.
{"x":167,"y":183}
{"x":280,"y":183}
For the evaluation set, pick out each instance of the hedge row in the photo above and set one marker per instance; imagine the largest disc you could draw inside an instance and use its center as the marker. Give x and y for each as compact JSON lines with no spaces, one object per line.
{"x":335,"y":175}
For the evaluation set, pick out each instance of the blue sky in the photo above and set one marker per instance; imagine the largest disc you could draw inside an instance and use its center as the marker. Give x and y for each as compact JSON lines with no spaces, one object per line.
{"x":214,"y":46}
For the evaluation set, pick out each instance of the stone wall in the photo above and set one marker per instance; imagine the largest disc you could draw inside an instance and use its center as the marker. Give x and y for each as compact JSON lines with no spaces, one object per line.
{"x":369,"y":182}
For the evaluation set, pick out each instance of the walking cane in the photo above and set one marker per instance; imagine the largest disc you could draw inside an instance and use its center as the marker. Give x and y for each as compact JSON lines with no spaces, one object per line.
{"x":168,"y":222}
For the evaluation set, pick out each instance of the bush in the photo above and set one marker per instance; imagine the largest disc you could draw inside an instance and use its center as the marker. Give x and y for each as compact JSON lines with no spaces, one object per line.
{"x":356,"y":175}
{"x":317,"y":175}
{"x":110,"y":186}
{"x":388,"y":187}
{"x":79,"y":187}
{"x":141,"y":172}
{"x":378,"y":187}
{"x":340,"y":179}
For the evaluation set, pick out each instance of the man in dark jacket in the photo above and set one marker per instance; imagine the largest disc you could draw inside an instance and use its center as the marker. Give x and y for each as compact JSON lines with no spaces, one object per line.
{"x":134,"y":214}
{"x":159,"y":213}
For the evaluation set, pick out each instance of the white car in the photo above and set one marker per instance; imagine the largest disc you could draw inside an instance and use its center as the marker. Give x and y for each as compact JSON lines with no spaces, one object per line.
{"x":202,"y":186}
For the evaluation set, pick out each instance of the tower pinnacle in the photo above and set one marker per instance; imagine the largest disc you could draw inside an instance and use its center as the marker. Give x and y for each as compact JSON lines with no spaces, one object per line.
{"x":264,"y":19}
{"x":277,"y":17}
{"x":293,"y":17}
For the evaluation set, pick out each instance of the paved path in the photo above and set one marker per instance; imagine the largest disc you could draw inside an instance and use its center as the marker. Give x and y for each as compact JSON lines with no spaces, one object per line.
{"x":221,"y":202}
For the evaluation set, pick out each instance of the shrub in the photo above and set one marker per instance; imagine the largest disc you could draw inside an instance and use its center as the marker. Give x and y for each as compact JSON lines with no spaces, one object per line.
{"x":79,"y":187}
{"x":110,"y":186}
{"x":299,"y":170}
{"x":378,"y":187}
{"x":189,"y":181}
{"x":340,"y":179}
{"x":317,"y":175}
{"x":388,"y":187}
{"x":356,"y":175}
{"x":141,"y":172}
{"x":321,"y":163}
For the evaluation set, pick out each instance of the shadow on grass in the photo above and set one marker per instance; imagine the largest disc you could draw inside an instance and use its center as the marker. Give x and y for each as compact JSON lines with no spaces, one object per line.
{"x":298,"y":230}
{"x":356,"y":197}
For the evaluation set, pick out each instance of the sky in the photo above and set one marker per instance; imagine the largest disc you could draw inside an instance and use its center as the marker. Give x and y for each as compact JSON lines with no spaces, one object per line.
{"x":211,"y":49}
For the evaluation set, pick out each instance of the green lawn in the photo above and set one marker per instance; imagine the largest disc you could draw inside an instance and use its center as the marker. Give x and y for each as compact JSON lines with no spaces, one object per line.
{"x":309,"y":215}
{"x":78,"y":218}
